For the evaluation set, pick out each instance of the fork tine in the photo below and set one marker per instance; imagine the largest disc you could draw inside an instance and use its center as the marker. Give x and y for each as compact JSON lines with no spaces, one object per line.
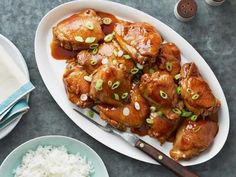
{"x":105,"y":128}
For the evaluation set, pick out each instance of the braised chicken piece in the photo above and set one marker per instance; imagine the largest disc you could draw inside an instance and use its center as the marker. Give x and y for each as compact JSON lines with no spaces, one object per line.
{"x":169,"y":58}
{"x":111,"y":81}
{"x":76,"y":86}
{"x":192,"y":138}
{"x":131,"y":115}
{"x":140,"y":40}
{"x":159,"y":89}
{"x":196,"y":93}
{"x":79,"y":31}
{"x":104,"y":53}
{"x":161,"y":127}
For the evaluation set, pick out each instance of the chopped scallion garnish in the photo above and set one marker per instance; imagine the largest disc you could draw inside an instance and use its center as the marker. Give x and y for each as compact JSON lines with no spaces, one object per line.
{"x":116,"y":97}
{"x":177,"y":76}
{"x":177,"y":111}
{"x":126,"y":56}
{"x":124,"y":96}
{"x":168,"y":66}
{"x":108,"y":38}
{"x":90,"y":40}
{"x":163,"y":94}
{"x":106,"y":21}
{"x":99,"y":85}
{"x":115,"y":85}
{"x":149,"y":121}
{"x":195,"y":96}
{"x":89,"y":25}
{"x":79,"y":39}
{"x":194,"y":117}
{"x":178,"y":90}
{"x":153,"y":108}
{"x":186,"y":113}
{"x":134,"y":70}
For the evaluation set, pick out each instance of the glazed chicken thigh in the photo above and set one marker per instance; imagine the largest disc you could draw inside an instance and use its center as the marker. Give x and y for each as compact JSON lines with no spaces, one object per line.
{"x":161,"y":127}
{"x":111,"y":81}
{"x":140,"y":40}
{"x":196,"y":93}
{"x":131,"y":115}
{"x":79,"y":31}
{"x":193,"y":137}
{"x":76,"y":86}
{"x":159,"y":89}
{"x":169,"y":58}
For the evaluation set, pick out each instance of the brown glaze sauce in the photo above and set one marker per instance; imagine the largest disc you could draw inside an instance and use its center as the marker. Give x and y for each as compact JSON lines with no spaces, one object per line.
{"x":59,"y":53}
{"x":142,"y":131}
{"x":107,"y":29}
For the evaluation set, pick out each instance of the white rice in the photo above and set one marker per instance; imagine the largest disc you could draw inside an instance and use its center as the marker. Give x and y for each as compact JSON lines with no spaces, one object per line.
{"x":51,"y":161}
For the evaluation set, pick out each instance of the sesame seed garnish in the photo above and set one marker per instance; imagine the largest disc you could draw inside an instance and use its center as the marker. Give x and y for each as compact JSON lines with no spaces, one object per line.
{"x":126,"y":111}
{"x":137,"y":105}
{"x":139,"y":66}
{"x":83,"y":97}
{"x":104,"y":61}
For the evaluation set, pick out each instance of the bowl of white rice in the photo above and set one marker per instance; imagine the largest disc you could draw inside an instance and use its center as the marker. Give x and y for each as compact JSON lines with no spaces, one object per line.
{"x":53,"y":156}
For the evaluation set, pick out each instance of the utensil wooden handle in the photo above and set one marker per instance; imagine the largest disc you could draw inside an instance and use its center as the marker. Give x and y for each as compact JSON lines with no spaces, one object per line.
{"x":164,"y":160}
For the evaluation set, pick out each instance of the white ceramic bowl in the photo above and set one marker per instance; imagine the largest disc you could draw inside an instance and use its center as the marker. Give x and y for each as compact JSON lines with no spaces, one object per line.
{"x":73,"y":146}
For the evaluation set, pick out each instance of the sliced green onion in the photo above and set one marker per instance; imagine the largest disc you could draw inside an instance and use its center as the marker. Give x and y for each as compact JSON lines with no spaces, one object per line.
{"x":168,"y":66}
{"x":93,"y":62}
{"x":107,"y":21}
{"x":159,"y":113}
{"x":195,"y":96}
{"x":124,"y":95}
{"x":90,"y":113}
{"x":163,"y":94}
{"x":153,"y":108}
{"x":108,"y":38}
{"x":177,"y":111}
{"x":134,"y":70}
{"x":115,"y":85}
{"x":126,"y":56}
{"x":186,"y":113}
{"x":189,"y":91}
{"x":177,"y":76}
{"x":90,"y":40}
{"x":193,"y":117}
{"x":95,"y":51}
{"x":149,"y":121}
{"x":99,"y":84}
{"x":178,"y":90}
{"x":115,"y":52}
{"x":116,"y":96}
{"x":109,"y":83}
{"x":79,"y":39}
{"x":151,"y":71}
{"x":93,"y":46}
{"x":89,"y":25}
{"x":196,"y":129}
